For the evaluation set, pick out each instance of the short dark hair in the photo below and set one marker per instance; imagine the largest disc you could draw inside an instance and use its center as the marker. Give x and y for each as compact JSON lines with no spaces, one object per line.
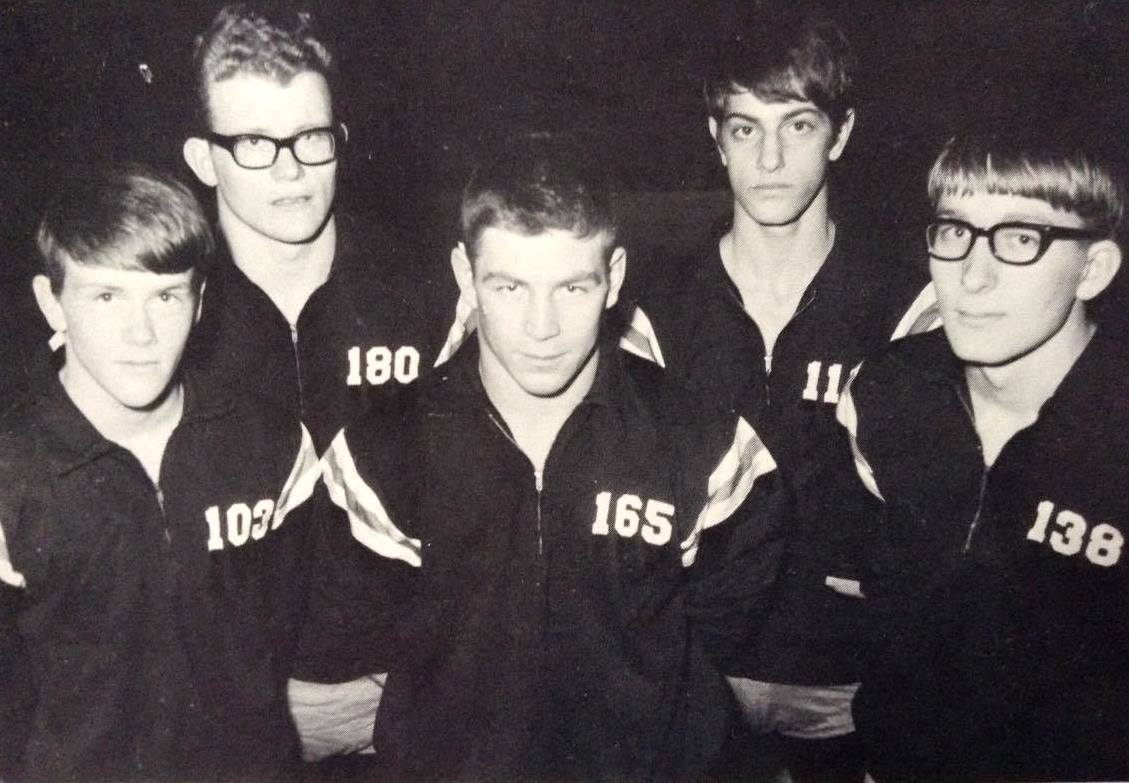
{"x":124,"y":217}
{"x":785,"y":52}
{"x":535,"y":184}
{"x":1032,"y":160}
{"x":263,"y":39}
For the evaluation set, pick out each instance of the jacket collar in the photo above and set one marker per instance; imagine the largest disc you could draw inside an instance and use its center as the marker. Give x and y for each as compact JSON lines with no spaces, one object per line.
{"x":74,"y":440}
{"x":846,"y":268}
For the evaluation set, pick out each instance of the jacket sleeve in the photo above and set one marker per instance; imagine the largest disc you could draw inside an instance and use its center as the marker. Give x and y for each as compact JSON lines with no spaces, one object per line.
{"x":17,"y":696}
{"x":364,"y":565}
{"x":736,"y":543}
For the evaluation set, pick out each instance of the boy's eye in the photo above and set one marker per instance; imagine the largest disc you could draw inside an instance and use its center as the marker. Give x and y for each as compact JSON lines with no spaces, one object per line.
{"x":167,"y":296}
{"x":742,"y":131}
{"x":105,"y":296}
{"x":802,"y":126}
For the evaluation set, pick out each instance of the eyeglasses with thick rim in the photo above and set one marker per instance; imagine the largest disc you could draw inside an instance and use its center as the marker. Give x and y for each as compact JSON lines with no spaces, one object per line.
{"x":229,"y":142}
{"x":997,"y":234}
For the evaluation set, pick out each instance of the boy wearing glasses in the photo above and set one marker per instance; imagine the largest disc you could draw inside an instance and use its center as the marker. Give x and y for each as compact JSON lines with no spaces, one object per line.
{"x":144,"y":517}
{"x":999,"y":584}
{"x":304,"y":308}
{"x":767,"y":321}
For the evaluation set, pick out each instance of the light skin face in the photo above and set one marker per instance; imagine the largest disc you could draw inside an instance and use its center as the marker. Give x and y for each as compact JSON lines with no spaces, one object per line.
{"x":777,"y":154}
{"x":997,"y":315}
{"x":288,"y":202}
{"x":540,"y":301}
{"x":125,"y":333}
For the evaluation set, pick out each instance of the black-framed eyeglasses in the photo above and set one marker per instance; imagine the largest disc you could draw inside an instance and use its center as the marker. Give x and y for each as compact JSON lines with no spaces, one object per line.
{"x":1013,"y":243}
{"x":311,"y":147}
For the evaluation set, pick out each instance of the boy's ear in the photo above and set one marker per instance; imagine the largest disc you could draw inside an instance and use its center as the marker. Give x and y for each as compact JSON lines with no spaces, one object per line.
{"x":617,"y":270}
{"x":845,"y":129}
{"x":464,"y":274}
{"x":198,"y":156}
{"x":48,"y":303}
{"x":712,"y":121}
{"x":1103,"y":259}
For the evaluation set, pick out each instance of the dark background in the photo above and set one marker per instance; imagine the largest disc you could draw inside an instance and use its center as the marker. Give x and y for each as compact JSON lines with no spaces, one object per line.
{"x":423,"y":81}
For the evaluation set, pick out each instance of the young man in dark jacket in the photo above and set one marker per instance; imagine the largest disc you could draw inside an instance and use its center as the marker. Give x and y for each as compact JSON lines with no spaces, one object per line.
{"x":305,"y":308}
{"x":766,"y":322}
{"x":147,"y":519}
{"x":999,"y":588}
{"x":541,"y":494}
{"x":309,"y":309}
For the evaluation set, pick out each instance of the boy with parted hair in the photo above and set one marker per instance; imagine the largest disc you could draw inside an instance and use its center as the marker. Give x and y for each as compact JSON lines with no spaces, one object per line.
{"x":538,"y":489}
{"x":767,"y":321}
{"x":999,"y":585}
{"x":145,"y":517}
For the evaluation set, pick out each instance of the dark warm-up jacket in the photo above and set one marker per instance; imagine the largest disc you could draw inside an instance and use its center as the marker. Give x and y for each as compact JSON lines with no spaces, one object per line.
{"x":377,"y":322}
{"x":708,"y":342}
{"x":155,"y":620}
{"x":1000,"y":595}
{"x":543,"y":630}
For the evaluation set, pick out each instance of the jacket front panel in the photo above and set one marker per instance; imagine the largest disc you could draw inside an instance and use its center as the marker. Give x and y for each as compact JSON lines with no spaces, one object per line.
{"x":848,"y":311}
{"x":1011,"y":578}
{"x":153,"y":617}
{"x":377,"y":322}
{"x":548,"y":610}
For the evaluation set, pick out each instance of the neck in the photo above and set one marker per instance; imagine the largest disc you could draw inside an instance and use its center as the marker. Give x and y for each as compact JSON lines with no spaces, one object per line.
{"x":796,"y":250}
{"x":121,"y":424}
{"x":287,"y":272}
{"x":1024,"y":384}
{"x":534,"y":421}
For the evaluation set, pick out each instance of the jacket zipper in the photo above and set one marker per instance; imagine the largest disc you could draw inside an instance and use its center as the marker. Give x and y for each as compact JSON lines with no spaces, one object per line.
{"x":538,"y":483}
{"x":164,"y":515}
{"x":983,"y":475}
{"x":768,"y":356}
{"x":297,"y":367}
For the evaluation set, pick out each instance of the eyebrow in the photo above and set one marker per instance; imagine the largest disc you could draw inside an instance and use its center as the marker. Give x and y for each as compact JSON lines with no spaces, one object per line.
{"x":263,"y":132}
{"x":788,"y":116}
{"x":1010,"y":217}
{"x":491,"y":277}
{"x":590,"y":277}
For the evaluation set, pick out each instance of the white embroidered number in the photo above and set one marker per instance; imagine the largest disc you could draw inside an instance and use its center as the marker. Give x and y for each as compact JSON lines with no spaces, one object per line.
{"x":656,"y":526}
{"x":1068,"y":540}
{"x":1105,"y":545}
{"x":1102,"y":549}
{"x":1038,"y":531}
{"x":239,"y":527}
{"x":381,"y":364}
{"x":811,"y":388}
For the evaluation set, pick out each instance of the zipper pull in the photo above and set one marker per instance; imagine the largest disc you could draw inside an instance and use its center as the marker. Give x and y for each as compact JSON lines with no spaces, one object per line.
{"x":293,"y":333}
{"x":768,"y":364}
{"x":538,"y":480}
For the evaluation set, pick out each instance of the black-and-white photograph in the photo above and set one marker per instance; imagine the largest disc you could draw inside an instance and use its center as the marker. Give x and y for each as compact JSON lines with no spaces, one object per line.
{"x":607,"y":390}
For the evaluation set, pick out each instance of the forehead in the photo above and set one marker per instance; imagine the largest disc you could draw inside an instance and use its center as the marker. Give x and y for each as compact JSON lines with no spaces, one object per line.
{"x":551,"y":255}
{"x":253,"y":103}
{"x":985,"y":209}
{"x":745,"y":103}
{"x":79,"y":276}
